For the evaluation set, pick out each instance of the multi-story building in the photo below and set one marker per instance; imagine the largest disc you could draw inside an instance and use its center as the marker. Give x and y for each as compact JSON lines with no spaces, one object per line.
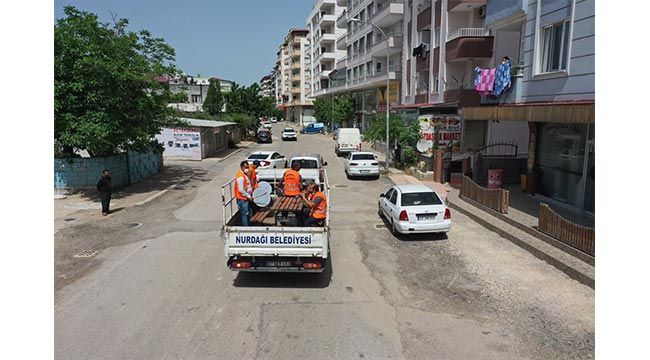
{"x":323,"y":34}
{"x":294,"y":77}
{"x":196,"y":89}
{"x":549,"y":109}
{"x":369,"y":60}
{"x":266,"y":85}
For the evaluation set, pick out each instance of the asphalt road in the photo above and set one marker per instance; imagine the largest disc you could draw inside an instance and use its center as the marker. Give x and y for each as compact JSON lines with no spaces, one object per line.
{"x":161,"y":290}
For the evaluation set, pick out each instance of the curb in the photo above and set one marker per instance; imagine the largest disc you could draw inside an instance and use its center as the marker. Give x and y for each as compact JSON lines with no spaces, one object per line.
{"x":569,"y":270}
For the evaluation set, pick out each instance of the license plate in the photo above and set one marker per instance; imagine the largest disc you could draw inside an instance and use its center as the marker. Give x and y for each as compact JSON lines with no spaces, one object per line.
{"x":426,"y":217}
{"x":365,"y":171}
{"x":278,"y":263}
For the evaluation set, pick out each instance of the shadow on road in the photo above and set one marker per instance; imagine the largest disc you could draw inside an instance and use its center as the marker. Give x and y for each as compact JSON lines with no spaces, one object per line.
{"x":285,"y":280}
{"x":414,"y":237}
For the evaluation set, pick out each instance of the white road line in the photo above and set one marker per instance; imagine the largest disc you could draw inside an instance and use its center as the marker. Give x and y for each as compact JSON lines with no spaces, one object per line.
{"x":160,"y":193}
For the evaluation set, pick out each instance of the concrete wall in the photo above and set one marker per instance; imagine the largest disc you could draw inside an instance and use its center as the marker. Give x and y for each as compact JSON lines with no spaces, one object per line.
{"x":502,"y":9}
{"x":83,"y":173}
{"x":577,"y":83}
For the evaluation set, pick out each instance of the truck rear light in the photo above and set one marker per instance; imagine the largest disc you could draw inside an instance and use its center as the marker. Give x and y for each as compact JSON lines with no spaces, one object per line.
{"x":354,"y":164}
{"x":240,"y":264}
{"x":447,"y":214}
{"x":403,"y":216}
{"x":310,"y":265}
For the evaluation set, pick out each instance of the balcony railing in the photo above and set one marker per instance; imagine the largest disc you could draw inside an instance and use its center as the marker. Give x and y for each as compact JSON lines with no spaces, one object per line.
{"x":384,"y":7}
{"x":468,"y":32}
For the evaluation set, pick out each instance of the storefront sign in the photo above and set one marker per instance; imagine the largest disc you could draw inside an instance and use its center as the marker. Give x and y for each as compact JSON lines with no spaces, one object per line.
{"x":181,"y":143}
{"x":443,"y":129}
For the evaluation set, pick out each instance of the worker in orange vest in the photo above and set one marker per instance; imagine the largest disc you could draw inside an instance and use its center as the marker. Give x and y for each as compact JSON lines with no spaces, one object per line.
{"x":243,"y":191}
{"x":317,"y":204}
{"x":252,"y":174}
{"x":291,"y":182}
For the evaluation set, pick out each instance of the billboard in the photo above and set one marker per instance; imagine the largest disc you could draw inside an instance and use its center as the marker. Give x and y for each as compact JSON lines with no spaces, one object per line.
{"x":182,"y":143}
{"x":445,"y":130}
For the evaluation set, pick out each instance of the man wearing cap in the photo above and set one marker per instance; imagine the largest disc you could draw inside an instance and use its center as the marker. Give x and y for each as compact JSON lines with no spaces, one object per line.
{"x":243,"y":191}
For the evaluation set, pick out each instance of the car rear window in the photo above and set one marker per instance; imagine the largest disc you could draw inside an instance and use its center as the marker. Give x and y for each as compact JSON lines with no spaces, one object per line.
{"x":421,"y":198}
{"x":363,"y":157}
{"x":306,"y":163}
{"x":288,"y":130}
{"x":258,"y":156}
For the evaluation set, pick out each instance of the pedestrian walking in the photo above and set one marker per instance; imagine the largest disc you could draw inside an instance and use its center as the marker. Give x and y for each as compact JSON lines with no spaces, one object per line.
{"x":105,"y":189}
{"x":243,"y":191}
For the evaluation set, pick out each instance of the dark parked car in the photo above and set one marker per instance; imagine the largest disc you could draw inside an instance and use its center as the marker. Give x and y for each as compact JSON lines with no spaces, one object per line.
{"x":264,"y":136}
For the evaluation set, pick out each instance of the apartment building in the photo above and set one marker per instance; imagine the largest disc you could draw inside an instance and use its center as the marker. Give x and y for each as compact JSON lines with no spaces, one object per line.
{"x":266,"y":85}
{"x":196,"y":89}
{"x":549,"y":108}
{"x":369,"y":61}
{"x":323,"y":34}
{"x":293,"y":78}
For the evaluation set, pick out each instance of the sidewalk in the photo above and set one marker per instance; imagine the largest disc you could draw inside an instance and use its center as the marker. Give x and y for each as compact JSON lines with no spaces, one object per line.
{"x":572,"y":262}
{"x":84,"y":205}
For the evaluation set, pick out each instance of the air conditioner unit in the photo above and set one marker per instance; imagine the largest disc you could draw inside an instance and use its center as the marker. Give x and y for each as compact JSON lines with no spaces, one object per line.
{"x":481,"y":12}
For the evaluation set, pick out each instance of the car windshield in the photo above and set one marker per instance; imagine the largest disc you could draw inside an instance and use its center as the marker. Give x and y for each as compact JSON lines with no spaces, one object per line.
{"x":363,"y":157}
{"x":306,"y":163}
{"x":421,"y":198}
{"x":258,"y":156}
{"x":288,"y":130}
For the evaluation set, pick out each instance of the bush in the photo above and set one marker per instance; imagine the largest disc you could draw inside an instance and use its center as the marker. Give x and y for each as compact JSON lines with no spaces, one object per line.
{"x":409,"y":156}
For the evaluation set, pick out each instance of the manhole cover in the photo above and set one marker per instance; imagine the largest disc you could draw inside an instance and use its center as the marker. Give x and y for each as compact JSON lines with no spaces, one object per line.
{"x":340,"y":186}
{"x":69,"y":219}
{"x":380,"y":226}
{"x":133,"y":225}
{"x":86,"y":254}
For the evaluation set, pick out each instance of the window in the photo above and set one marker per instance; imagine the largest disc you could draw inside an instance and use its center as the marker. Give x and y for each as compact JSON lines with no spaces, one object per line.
{"x":436,"y":80}
{"x":389,"y":193}
{"x":421,"y":198}
{"x":363,"y":157}
{"x":378,"y":67}
{"x":305,"y":163}
{"x":393,"y":198}
{"x":436,"y":40}
{"x":555,"y":47}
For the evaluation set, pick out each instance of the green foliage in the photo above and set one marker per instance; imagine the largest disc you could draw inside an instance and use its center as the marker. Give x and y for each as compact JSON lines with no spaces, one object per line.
{"x":179,"y":97}
{"x":323,"y":109}
{"x":399,"y":131}
{"x":409,"y":156}
{"x":344,"y":109}
{"x":106,"y":95}
{"x":213,"y":103}
{"x":243,"y":120}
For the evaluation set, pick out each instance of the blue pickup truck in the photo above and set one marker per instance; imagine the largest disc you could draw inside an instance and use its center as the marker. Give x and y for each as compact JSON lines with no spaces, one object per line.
{"x":315,"y":128}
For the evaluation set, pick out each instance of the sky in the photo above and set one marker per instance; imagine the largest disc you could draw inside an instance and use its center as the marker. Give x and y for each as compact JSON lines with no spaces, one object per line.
{"x":231,"y":39}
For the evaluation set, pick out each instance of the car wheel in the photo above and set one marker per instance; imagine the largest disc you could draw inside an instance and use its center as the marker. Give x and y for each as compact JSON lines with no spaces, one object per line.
{"x":347,"y":175}
{"x":393,"y":230}
{"x":381,"y":215}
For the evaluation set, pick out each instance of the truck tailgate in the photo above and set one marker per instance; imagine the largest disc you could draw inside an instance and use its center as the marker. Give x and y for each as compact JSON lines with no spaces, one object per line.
{"x":275,"y":241}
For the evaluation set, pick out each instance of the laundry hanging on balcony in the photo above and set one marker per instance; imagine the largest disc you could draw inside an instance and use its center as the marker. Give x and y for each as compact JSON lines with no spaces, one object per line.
{"x":502,"y":80}
{"x":484,"y":82}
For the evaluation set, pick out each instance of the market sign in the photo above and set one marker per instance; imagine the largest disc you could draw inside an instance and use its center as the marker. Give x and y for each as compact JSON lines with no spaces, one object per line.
{"x":444,"y":130}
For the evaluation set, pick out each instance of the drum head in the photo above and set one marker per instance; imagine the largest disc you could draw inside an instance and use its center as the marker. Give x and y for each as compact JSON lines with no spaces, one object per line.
{"x":262,"y":195}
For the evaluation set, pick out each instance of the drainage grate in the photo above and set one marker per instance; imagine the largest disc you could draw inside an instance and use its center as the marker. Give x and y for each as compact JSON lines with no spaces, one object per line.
{"x":380,"y":226}
{"x":340,"y":186}
{"x":86,"y":254}
{"x":133,"y":225}
{"x":69,"y":219}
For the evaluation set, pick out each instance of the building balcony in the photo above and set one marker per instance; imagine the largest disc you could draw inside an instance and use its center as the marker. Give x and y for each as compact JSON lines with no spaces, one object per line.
{"x":326,"y":38}
{"x":391,"y":12}
{"x":342,"y":2}
{"x":295,"y":78}
{"x":421,"y":98}
{"x":469,"y":43}
{"x":342,"y":20}
{"x":326,"y":56}
{"x":341,"y":42}
{"x":327,"y":18}
{"x":462,"y":96}
{"x":394,"y":45}
{"x":512,"y":96}
{"x":341,"y":64}
{"x":424,"y":19}
{"x":465,"y":5}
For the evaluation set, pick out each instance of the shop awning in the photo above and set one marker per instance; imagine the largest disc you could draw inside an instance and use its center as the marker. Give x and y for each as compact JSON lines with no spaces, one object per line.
{"x":573,"y":112}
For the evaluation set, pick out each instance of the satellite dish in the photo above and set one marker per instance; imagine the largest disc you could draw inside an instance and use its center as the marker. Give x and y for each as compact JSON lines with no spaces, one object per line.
{"x":262,"y":195}
{"x":424,"y":145}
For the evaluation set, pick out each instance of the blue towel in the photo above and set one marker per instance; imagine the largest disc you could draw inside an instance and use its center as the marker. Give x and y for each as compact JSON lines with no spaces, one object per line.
{"x":502,"y":80}
{"x":477,"y":71}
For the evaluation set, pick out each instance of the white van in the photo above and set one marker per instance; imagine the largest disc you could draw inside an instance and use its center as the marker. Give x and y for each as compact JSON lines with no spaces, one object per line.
{"x":347,"y":140}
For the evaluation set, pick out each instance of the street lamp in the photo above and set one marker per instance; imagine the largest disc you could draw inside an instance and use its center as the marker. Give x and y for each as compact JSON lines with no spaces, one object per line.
{"x":387,"y":82}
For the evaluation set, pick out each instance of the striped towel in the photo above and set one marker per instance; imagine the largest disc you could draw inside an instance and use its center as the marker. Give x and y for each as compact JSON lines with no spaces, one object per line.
{"x":485,"y":81}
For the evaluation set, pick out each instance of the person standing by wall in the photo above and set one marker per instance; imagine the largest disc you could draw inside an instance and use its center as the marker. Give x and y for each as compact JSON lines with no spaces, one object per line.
{"x":105,"y":189}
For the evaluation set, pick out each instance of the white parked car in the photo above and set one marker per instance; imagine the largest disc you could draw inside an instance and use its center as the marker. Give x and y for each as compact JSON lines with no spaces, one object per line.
{"x":267,"y":125}
{"x":361,"y":163}
{"x":289,"y":134}
{"x":274,"y":119}
{"x":267,"y":159}
{"x":414,"y":208}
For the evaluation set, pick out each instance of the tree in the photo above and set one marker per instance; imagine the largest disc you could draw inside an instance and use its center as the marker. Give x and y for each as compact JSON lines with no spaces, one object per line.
{"x":323,"y":109}
{"x":213,"y":103}
{"x":107,"y":97}
{"x":344,"y":108}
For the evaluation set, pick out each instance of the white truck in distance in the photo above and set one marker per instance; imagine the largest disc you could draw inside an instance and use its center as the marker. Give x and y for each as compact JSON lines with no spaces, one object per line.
{"x":277,"y":247}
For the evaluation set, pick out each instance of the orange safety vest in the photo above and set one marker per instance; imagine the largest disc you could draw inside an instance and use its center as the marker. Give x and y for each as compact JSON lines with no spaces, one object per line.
{"x":238,"y":194}
{"x":252,"y":174}
{"x":319,"y":211}
{"x":291,"y":183}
